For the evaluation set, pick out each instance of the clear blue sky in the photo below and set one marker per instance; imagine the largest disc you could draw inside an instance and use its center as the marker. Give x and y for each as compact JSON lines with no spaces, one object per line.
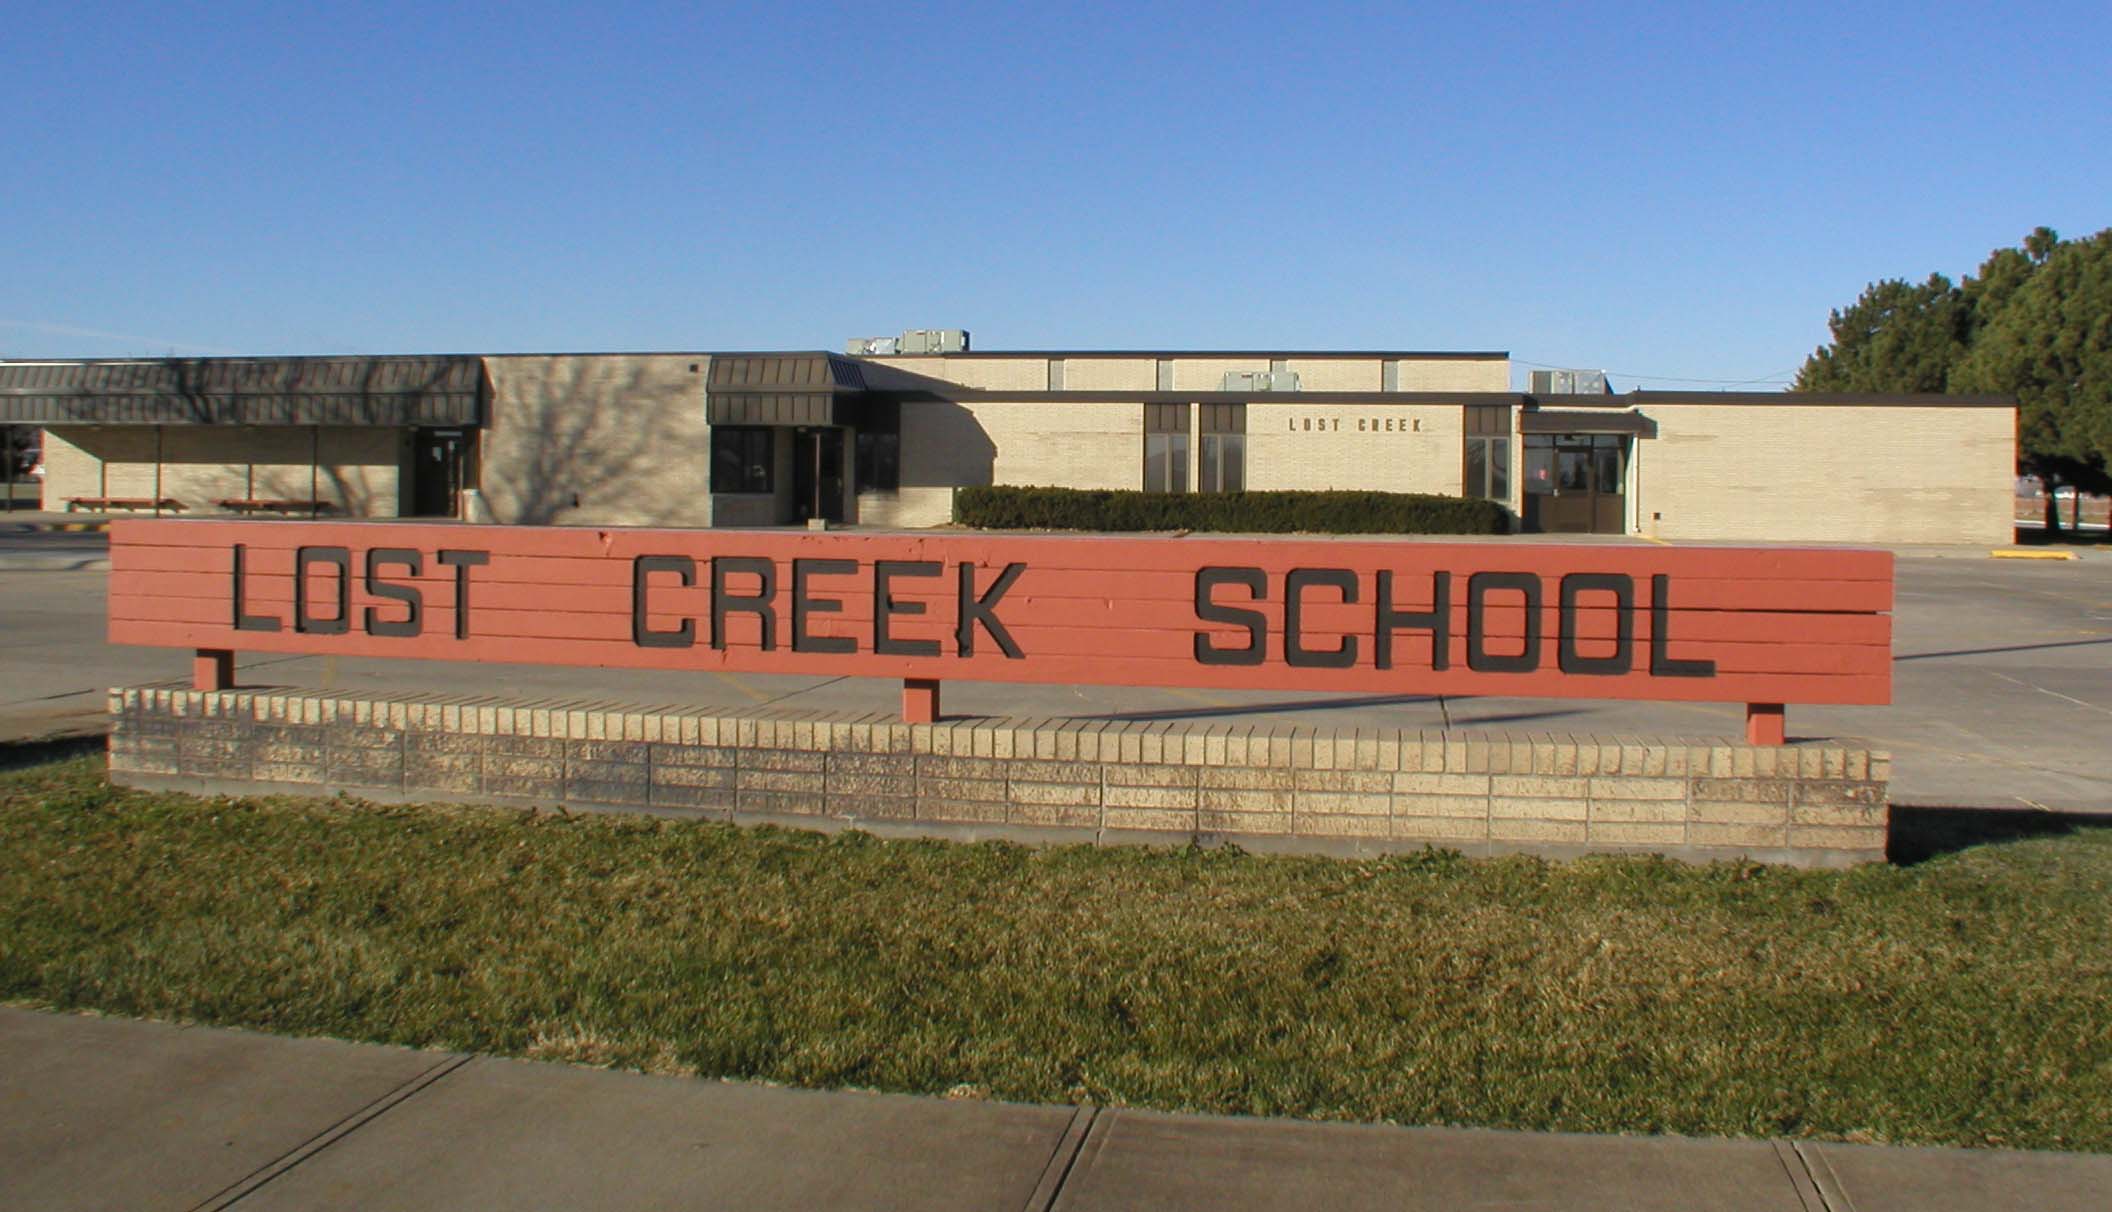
{"x":1674,"y":191}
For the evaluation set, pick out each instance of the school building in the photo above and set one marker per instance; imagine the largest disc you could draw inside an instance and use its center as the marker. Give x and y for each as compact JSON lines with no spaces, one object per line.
{"x":883,"y":435}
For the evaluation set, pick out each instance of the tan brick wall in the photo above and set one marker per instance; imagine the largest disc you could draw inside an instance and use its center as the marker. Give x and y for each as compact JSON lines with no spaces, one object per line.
{"x":625,"y":436}
{"x":361,"y":470}
{"x":742,"y":509}
{"x":1339,"y":374}
{"x":1288,"y":786}
{"x":358,"y":471}
{"x":1140,"y":373}
{"x":1076,"y":445}
{"x":73,"y":463}
{"x":1419,"y":453}
{"x":1827,"y":473}
{"x":203,"y":465}
{"x":983,"y":373}
{"x":909,"y":507}
{"x":1456,"y":374}
{"x":1208,"y":374}
{"x":945,"y":445}
{"x":1110,"y":374}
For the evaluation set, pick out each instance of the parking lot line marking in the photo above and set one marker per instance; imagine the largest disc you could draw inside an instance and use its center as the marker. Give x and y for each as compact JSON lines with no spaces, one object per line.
{"x":735,"y":682}
{"x":2055,"y":693}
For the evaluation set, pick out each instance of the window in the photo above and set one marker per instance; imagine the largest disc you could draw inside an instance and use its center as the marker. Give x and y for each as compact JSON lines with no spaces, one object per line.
{"x":1165,"y":448}
{"x":1486,"y":471}
{"x":1224,"y":448}
{"x":742,"y":458}
{"x":878,"y":465}
{"x":1539,"y":464}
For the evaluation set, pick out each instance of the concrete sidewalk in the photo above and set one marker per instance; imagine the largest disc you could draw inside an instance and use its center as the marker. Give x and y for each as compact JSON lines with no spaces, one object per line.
{"x":108,"y":1113}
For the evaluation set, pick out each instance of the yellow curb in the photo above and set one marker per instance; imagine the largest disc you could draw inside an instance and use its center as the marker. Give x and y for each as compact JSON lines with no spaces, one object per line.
{"x":1651,"y":538}
{"x":2031,"y":554}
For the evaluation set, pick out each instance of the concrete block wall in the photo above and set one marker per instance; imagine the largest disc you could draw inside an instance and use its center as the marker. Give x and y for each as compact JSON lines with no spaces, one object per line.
{"x":1278,"y":787}
{"x":1841,"y":473}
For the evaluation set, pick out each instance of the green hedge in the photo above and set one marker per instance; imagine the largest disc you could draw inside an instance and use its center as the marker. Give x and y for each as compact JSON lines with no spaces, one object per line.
{"x":1007,"y":508}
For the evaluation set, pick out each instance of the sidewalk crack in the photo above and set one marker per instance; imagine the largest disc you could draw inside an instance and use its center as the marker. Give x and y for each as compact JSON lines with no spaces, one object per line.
{"x":1833,"y":1197}
{"x":1064,"y":1158}
{"x":322,"y":1140}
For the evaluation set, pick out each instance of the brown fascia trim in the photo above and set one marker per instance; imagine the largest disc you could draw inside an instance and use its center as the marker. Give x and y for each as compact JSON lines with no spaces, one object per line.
{"x":969,"y":395}
{"x":1421,"y":355}
{"x":942,"y":392}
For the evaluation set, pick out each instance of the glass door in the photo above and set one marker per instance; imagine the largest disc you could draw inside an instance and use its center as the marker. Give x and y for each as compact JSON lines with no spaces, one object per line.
{"x":817,"y":474}
{"x":439,"y":472}
{"x":1575,"y":483}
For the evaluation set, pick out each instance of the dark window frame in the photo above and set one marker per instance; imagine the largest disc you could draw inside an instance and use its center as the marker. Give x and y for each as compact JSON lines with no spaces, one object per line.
{"x":1166,"y":448}
{"x":877,"y":461}
{"x":1485,"y":453}
{"x":1224,"y":448}
{"x":743,"y":443}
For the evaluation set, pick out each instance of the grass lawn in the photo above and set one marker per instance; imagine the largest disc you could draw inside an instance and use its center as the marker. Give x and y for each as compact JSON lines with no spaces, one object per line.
{"x":1965,"y":1000}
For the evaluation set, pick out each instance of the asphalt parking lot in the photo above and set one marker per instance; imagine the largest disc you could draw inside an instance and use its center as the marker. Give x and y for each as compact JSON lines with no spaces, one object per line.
{"x":2002,"y":687}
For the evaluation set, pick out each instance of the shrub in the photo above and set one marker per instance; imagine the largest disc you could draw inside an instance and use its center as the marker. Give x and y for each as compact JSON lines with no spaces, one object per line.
{"x":1013,"y":508}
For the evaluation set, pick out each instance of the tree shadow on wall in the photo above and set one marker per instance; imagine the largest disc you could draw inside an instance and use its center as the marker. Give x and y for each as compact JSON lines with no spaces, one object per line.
{"x":951,"y":449}
{"x":580,"y":435}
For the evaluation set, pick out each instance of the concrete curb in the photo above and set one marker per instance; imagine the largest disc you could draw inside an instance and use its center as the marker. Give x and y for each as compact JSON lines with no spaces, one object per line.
{"x":18,"y":562}
{"x":29,"y":525}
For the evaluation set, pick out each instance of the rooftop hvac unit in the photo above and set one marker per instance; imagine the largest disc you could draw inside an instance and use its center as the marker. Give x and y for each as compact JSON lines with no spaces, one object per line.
{"x":934,"y":341}
{"x":1568,"y":383}
{"x":1260,"y":380}
{"x":878,"y":347}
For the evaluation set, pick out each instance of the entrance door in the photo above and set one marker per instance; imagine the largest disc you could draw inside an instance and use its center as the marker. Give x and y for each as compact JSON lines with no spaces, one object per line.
{"x":817,"y":474}
{"x":1574,"y":483}
{"x":439,"y":472}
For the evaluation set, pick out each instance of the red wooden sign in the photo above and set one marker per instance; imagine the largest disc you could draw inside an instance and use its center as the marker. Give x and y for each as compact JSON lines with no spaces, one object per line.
{"x":1762,"y":626}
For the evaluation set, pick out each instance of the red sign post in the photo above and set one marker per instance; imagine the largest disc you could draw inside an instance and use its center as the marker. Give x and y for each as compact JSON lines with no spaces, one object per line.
{"x":1763,"y":627}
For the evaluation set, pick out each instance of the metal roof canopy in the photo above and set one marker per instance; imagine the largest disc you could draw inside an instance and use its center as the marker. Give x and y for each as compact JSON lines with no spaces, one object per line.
{"x":784,"y":389}
{"x":368,"y":392}
{"x":1542,"y":421}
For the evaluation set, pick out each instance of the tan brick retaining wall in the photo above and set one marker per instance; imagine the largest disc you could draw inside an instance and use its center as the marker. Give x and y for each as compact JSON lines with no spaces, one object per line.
{"x":1263,"y":786}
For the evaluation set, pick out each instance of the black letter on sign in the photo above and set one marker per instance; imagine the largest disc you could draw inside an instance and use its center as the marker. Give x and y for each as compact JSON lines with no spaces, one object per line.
{"x":885,"y":607}
{"x":462,"y":562}
{"x":1661,"y":663}
{"x":644,"y":636}
{"x":1437,"y":621}
{"x":983,"y":610}
{"x":1294,"y":650}
{"x":413,"y":620}
{"x":1479,"y":658}
{"x":803,"y":605}
{"x":1623,"y":590}
{"x":1257,"y":586}
{"x":248,"y":622}
{"x":757,"y":604}
{"x":306,"y":623}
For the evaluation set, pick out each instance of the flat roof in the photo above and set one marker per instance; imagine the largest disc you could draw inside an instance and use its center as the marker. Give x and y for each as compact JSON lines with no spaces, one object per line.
{"x":1424,"y":355}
